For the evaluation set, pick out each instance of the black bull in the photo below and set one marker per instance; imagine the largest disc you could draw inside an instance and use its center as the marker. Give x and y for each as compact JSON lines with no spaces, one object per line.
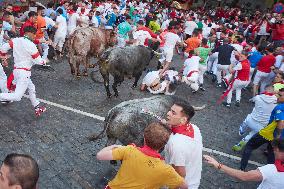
{"x":124,"y":62}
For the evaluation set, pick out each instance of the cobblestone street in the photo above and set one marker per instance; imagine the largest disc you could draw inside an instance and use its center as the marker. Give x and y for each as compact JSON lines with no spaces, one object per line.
{"x":58,"y":139}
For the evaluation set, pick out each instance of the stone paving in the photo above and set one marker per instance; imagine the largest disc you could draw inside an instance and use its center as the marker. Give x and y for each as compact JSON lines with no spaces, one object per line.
{"x":58,"y":139}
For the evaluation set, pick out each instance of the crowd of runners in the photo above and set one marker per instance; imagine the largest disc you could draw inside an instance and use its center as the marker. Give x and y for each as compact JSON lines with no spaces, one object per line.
{"x":238,"y":50}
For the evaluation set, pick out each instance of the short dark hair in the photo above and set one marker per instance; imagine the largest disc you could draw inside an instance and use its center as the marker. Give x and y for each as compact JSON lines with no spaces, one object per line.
{"x":30,"y":29}
{"x":32,"y":14}
{"x":50,"y":5}
{"x":60,"y":11}
{"x":187,"y":109}
{"x":140,"y":22}
{"x":127,"y":17}
{"x":278,"y":143}
{"x":195,"y":32}
{"x":6,"y":14}
{"x":23,"y":170}
{"x":204,"y":41}
{"x":282,"y":74}
{"x":156,"y":136}
{"x":39,"y":8}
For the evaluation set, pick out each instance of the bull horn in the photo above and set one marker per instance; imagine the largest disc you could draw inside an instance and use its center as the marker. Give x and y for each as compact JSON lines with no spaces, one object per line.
{"x":197,"y":108}
{"x":157,"y":53}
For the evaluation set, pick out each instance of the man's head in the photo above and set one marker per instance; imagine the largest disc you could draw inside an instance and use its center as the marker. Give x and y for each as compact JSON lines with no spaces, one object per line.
{"x":115,"y":10}
{"x":66,"y":5}
{"x":278,"y":147}
{"x":30,"y":32}
{"x":280,"y":98}
{"x":180,"y":113}
{"x":242,"y":56}
{"x":156,"y":136}
{"x":279,"y":78}
{"x":269,"y":89}
{"x":9,"y":8}
{"x":19,"y":171}
{"x":226,"y":41}
{"x":40,"y":10}
{"x":195,"y":33}
{"x":140,"y":23}
{"x":32,"y":16}
{"x":60,"y":11}
{"x":6,"y":16}
{"x":128,"y":18}
{"x":50,"y":5}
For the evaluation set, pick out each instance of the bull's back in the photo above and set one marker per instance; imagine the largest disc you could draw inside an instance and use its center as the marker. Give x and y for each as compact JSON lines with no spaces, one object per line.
{"x":129,"y":60}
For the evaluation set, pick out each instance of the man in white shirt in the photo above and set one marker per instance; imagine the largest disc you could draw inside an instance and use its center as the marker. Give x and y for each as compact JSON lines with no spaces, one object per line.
{"x":270,"y":175}
{"x":25,"y":55}
{"x":61,"y":32}
{"x":73,"y":20}
{"x":184,"y":148}
{"x":171,"y":40}
{"x":191,"y":71}
{"x":140,"y":36}
{"x":190,"y":25}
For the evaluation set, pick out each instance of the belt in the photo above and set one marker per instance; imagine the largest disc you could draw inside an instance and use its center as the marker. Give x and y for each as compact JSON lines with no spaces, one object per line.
{"x":26,"y":69}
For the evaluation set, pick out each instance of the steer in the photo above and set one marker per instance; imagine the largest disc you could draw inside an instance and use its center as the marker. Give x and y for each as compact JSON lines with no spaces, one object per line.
{"x":124,"y":62}
{"x":126,"y":121}
{"x":87,"y":42}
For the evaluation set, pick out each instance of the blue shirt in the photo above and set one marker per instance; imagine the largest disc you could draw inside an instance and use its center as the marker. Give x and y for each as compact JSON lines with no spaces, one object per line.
{"x":277,"y":114}
{"x":6,"y":26}
{"x":254,"y":58}
{"x":111,"y":19}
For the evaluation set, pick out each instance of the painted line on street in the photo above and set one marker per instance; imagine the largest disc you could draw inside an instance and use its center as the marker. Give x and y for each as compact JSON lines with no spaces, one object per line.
{"x":70,"y":109}
{"x":208,"y":150}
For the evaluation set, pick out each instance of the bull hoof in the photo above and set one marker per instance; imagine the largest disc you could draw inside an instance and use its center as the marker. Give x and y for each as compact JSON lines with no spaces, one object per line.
{"x":78,"y":76}
{"x":92,"y":65}
{"x":73,"y":73}
{"x":109,"y":95}
{"x":116,"y":95}
{"x":85,"y":74}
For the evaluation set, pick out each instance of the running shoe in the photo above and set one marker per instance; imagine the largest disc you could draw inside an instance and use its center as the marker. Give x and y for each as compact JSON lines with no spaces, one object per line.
{"x":39,"y":110}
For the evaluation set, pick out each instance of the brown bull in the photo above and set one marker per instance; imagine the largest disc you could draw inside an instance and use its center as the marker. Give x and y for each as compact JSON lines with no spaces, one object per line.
{"x":87,"y":42}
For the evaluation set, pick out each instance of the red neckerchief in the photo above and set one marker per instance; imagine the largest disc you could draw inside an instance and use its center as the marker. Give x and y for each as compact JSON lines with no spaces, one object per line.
{"x":186,"y":130}
{"x":70,"y":11}
{"x":148,"y":151}
{"x":268,"y":93}
{"x":191,"y":72}
{"x":279,"y":164}
{"x":280,"y":82}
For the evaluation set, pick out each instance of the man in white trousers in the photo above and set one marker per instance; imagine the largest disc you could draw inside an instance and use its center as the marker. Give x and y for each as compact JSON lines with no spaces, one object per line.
{"x":259,"y":117}
{"x":25,"y":55}
{"x":3,"y":79}
{"x":241,"y":80}
{"x":191,"y":71}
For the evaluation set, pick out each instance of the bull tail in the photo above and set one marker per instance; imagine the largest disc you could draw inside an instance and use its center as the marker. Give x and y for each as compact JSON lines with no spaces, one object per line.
{"x":197,"y":108}
{"x":101,"y":135}
{"x":107,"y":122}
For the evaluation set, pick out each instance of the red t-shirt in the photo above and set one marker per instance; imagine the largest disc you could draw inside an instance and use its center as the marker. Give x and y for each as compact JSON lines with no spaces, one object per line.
{"x":27,"y":23}
{"x":265,"y":63}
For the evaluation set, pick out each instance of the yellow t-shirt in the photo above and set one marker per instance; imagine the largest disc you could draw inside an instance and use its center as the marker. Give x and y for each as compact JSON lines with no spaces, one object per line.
{"x":139,"y":171}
